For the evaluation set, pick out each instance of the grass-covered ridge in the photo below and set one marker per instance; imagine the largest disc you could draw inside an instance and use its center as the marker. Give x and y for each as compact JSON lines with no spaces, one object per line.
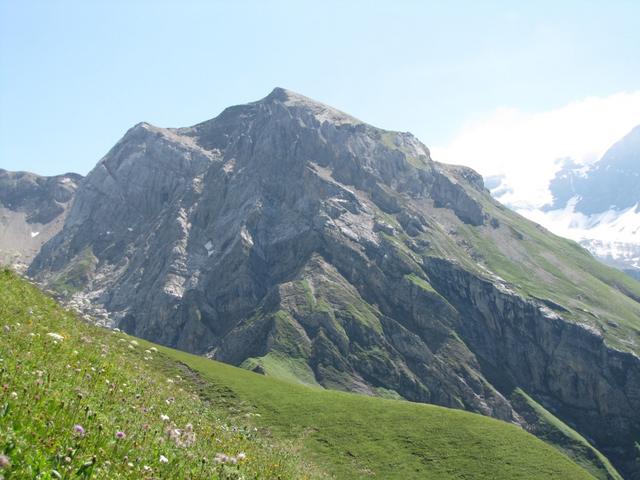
{"x":64,"y":402}
{"x":354,"y":436}
{"x":539,"y":264}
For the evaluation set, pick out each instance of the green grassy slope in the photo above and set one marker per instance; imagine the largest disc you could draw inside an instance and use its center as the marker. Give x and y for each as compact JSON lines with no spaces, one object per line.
{"x":109,"y":382}
{"x":354,"y":436}
{"x":68,"y":388}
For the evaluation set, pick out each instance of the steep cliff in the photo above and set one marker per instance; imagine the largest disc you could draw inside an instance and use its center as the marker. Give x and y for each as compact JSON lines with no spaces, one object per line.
{"x":300,"y":242}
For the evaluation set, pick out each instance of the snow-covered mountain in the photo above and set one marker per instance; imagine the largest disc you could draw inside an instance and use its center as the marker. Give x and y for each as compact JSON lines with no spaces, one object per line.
{"x":597,"y":205}
{"x":612,"y":235}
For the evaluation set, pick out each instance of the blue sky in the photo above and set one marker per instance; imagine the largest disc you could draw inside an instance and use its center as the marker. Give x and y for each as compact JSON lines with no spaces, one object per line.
{"x":75,"y":75}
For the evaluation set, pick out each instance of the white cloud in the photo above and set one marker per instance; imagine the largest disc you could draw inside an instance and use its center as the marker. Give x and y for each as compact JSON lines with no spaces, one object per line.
{"x":525,"y":147}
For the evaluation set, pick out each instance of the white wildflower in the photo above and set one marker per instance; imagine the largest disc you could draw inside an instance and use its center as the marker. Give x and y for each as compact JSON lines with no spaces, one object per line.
{"x":182,"y":438}
{"x":163,"y":459}
{"x":5,"y":462}
{"x":55,"y":336}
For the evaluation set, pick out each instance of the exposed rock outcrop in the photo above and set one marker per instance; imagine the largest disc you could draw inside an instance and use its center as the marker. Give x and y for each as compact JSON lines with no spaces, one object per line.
{"x":32,"y":210}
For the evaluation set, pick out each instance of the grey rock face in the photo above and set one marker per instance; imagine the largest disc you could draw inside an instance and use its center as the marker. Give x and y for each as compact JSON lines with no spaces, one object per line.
{"x":284,"y":232}
{"x":32,"y":210}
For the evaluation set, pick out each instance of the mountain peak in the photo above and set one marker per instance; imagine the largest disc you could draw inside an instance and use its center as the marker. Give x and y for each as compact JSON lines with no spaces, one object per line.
{"x":281,"y":94}
{"x":321,"y":111}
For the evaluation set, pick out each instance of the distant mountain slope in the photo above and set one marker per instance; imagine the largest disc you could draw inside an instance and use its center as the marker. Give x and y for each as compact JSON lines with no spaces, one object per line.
{"x":297,"y":241}
{"x":612,"y":183}
{"x":599,"y":205}
{"x":32,"y":210}
{"x":178,"y":413}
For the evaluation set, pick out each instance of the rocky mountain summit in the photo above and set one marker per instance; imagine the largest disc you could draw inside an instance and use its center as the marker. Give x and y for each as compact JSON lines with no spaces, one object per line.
{"x":297,"y":241}
{"x":32,"y":210}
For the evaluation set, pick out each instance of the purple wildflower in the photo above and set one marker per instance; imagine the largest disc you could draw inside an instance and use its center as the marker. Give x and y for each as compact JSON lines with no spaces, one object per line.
{"x":221,"y":458}
{"x":4,"y":461}
{"x":120,"y":435}
{"x":79,"y":430}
